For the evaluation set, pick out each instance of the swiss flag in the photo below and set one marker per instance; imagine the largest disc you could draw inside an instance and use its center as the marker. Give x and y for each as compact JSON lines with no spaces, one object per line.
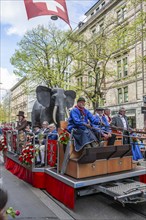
{"x":36,"y":8}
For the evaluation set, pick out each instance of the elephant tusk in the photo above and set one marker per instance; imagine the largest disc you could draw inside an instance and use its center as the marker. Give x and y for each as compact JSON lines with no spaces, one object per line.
{"x":54,"y":114}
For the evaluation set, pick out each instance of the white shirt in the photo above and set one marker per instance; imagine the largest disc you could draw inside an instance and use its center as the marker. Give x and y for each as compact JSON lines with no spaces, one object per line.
{"x":124,"y":122}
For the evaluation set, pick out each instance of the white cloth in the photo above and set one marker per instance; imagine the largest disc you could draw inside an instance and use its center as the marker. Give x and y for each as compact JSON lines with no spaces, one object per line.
{"x":124,"y":122}
{"x":42,"y":152}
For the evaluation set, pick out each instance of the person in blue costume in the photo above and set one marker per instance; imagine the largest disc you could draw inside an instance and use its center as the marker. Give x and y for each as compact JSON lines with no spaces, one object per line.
{"x":1,"y":131}
{"x":52,"y":135}
{"x":103,"y":129}
{"x":137,"y":155}
{"x":80,"y":120}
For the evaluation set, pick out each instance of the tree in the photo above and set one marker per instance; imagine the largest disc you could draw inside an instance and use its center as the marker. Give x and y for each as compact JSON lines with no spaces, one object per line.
{"x":95,"y":53}
{"x":44,"y":56}
{"x":3,"y":114}
{"x":92,"y":54}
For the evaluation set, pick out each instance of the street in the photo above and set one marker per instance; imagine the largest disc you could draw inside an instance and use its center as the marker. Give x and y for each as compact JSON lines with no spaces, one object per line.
{"x":36,"y":204}
{"x":31,"y":202}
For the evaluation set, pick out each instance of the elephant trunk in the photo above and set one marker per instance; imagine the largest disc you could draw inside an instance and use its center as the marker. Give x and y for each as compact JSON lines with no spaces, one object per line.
{"x":61,"y":112}
{"x":54,"y":114}
{"x":67,"y":113}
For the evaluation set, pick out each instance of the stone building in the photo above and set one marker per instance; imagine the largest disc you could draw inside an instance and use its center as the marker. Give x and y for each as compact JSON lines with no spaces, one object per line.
{"x":22,"y":99}
{"x":19,"y":99}
{"x":127,"y":86}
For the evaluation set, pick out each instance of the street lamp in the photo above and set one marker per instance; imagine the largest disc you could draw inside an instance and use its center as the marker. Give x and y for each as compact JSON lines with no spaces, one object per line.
{"x":54,"y":17}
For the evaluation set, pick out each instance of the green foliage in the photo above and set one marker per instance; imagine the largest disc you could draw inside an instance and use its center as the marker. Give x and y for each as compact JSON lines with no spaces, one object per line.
{"x":95,"y":51}
{"x":91,"y":57}
{"x":4,"y":114}
{"x":44,"y":56}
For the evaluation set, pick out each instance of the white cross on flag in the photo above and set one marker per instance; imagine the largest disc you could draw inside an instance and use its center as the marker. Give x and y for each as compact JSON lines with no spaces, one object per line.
{"x":36,"y":8}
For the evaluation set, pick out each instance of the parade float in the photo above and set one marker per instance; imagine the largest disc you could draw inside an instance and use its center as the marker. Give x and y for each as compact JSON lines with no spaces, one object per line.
{"x":68,"y":174}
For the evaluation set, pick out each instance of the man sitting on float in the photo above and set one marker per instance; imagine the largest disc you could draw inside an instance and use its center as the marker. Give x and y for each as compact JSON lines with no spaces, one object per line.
{"x":39,"y":145}
{"x":37,"y":133}
{"x":79,"y":121}
{"x":52,"y":135}
{"x":102,"y":130}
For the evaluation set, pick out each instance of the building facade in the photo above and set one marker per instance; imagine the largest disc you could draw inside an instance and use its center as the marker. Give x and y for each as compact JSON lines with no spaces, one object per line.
{"x":19,"y":99}
{"x":126,"y":86}
{"x":22,"y":98}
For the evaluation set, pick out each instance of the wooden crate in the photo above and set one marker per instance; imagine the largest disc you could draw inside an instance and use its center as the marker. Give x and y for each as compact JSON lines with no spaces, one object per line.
{"x":119,"y":164}
{"x":73,"y":154}
{"x":76,"y":170}
{"x":118,"y":142}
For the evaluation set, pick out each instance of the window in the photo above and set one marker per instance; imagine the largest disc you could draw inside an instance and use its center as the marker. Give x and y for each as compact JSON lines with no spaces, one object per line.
{"x":126,"y":94}
{"x":123,"y":95}
{"x":125,"y":67}
{"x":121,"y":14}
{"x":120,"y":100}
{"x":124,"y":12}
{"x":97,"y":9}
{"x":119,"y":68}
{"x":92,"y":13}
{"x":103,"y":3}
{"x":122,"y":39}
{"x":93,"y":31}
{"x":122,"y":67}
{"x":100,"y":27}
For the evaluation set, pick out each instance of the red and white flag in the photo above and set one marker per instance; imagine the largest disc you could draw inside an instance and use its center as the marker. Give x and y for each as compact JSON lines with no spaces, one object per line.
{"x":36,"y":8}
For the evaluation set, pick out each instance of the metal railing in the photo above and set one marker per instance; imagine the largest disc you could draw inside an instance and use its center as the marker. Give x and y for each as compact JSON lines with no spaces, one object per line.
{"x":16,"y":142}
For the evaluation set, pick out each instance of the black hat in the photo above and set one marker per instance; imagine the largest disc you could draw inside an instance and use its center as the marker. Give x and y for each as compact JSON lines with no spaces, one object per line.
{"x":81,"y":99}
{"x":37,"y":125}
{"x":29,"y":123}
{"x":99,"y":109}
{"x":21,"y":113}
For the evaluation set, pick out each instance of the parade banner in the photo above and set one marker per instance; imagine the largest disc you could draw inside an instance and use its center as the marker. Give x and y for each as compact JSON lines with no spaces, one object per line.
{"x":52,"y":152}
{"x":36,"y":8}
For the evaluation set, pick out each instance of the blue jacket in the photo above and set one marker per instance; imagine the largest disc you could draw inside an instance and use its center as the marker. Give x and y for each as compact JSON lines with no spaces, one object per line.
{"x":1,"y":131}
{"x":77,"y":119}
{"x":53,"y":135}
{"x":100,"y":127}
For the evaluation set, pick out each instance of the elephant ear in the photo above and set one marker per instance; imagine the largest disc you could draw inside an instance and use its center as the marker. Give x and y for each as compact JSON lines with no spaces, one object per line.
{"x":43,"y":95}
{"x":70,"y":98}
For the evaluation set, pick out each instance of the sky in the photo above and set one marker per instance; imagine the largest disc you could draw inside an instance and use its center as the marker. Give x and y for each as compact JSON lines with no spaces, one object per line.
{"x":14,"y":24}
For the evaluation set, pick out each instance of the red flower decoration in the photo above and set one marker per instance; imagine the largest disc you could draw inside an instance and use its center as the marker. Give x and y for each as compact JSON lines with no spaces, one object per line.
{"x":27,"y":155}
{"x":64,"y":136}
{"x":3,"y":146}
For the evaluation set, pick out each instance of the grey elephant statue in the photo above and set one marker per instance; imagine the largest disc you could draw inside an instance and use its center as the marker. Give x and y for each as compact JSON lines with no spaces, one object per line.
{"x":51,"y":105}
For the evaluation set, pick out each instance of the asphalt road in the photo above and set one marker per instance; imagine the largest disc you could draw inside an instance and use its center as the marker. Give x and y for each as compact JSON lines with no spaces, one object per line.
{"x":35,"y":204}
